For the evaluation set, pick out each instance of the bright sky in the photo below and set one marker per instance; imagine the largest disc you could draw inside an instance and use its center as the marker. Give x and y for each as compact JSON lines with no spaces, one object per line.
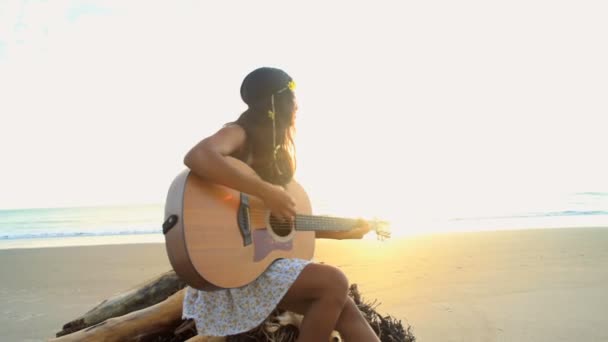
{"x":420,"y":106}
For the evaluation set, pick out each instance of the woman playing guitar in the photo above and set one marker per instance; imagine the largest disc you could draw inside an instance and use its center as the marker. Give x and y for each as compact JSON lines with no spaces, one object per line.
{"x":262,"y":138}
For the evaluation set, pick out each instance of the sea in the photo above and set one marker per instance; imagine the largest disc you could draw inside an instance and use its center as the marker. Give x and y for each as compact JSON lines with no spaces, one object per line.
{"x":73,"y":226}
{"x":141,"y":223}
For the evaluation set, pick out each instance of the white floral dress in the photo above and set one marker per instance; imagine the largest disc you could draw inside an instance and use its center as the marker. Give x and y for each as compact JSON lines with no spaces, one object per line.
{"x":232,"y":311}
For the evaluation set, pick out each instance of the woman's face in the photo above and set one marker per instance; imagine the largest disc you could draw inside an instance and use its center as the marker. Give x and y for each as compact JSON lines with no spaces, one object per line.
{"x":295,"y":105}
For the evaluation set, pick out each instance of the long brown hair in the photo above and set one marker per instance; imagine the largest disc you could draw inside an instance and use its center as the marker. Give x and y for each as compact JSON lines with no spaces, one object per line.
{"x":276,"y":168}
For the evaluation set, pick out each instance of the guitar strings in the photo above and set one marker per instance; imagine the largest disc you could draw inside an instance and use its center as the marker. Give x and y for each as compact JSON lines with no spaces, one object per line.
{"x":326,"y":222}
{"x":262,"y":213}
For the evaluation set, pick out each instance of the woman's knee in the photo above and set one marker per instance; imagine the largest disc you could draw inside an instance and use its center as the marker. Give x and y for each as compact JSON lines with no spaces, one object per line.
{"x":317,"y":282}
{"x":335,"y":283}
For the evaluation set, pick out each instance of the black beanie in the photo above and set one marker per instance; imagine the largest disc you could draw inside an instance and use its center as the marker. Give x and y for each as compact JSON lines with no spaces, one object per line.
{"x":263,"y":82}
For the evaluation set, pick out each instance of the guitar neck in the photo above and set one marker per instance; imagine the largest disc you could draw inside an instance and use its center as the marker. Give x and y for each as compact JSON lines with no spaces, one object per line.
{"x":324,"y":223}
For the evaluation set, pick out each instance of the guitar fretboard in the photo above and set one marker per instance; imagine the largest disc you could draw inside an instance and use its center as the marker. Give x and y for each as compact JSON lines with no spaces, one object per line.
{"x":309,"y":222}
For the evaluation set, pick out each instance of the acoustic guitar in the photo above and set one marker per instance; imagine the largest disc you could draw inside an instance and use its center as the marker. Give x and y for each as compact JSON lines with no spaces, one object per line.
{"x":217,"y":237}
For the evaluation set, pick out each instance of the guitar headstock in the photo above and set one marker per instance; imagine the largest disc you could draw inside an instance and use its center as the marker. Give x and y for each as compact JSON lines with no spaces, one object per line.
{"x":381,"y":227}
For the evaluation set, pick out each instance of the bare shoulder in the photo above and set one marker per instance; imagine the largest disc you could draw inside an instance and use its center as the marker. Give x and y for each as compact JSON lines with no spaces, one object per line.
{"x":232,"y":131}
{"x":227,"y":140}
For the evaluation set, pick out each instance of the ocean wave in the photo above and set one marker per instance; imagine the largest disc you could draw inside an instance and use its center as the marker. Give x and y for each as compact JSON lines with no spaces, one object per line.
{"x":593,"y":193}
{"x":568,"y":213}
{"x":575,"y":213}
{"x":76,"y":234}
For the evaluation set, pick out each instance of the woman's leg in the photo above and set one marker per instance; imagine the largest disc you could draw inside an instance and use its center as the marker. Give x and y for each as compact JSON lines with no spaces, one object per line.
{"x":353,"y":327}
{"x":321,"y":294}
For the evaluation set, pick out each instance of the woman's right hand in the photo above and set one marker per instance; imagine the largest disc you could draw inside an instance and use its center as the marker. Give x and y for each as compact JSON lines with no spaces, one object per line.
{"x":281,"y":204}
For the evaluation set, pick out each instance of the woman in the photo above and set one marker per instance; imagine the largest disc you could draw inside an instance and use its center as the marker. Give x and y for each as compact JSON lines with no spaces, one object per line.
{"x":262,"y":138}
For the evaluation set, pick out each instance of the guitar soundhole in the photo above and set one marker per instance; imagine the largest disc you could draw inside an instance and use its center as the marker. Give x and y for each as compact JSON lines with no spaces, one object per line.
{"x":281,"y":228}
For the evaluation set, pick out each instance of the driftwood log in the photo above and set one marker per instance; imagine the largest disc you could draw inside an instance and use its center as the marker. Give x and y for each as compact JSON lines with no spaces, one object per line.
{"x":143,"y":296}
{"x":142,"y":325}
{"x":152,"y":312}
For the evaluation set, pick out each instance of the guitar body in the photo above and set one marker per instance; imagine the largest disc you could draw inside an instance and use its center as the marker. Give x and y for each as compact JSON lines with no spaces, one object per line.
{"x":217,"y":237}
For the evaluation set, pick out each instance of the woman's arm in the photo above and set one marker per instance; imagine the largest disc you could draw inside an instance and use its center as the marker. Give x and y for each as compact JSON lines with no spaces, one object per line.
{"x":208,"y":159}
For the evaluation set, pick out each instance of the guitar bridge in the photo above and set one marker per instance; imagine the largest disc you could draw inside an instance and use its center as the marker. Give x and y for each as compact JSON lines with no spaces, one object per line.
{"x":243,"y":219}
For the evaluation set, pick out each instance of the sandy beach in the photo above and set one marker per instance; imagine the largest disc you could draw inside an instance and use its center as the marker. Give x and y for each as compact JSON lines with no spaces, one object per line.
{"x":523,"y":285}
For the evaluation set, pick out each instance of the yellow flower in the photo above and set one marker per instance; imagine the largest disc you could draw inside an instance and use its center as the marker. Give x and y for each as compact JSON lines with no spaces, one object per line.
{"x":291,"y":85}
